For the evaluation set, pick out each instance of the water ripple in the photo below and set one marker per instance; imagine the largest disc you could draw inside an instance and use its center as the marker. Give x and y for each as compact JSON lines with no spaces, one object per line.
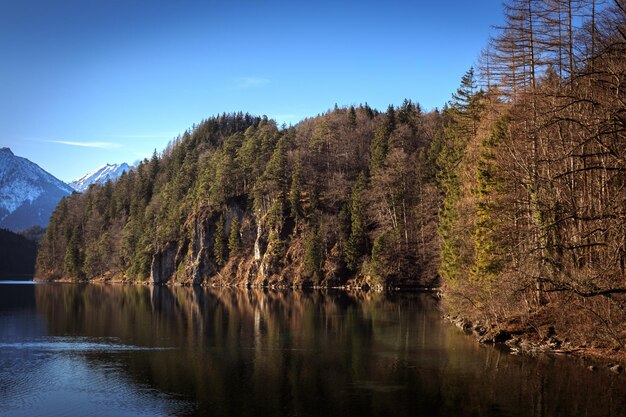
{"x":76,"y":345}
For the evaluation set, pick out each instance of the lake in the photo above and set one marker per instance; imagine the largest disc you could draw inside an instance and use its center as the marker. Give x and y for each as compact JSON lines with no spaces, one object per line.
{"x":107,"y":350}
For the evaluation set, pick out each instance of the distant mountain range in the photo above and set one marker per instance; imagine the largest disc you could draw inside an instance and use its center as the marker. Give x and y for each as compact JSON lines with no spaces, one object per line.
{"x":99,"y":176}
{"x":28,"y":194}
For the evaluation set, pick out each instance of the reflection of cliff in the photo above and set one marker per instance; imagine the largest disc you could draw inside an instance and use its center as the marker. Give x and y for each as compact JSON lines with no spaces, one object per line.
{"x":284,"y":346}
{"x":256,"y":352}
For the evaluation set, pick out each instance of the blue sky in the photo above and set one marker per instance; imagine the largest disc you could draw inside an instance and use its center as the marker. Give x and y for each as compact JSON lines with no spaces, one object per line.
{"x":83,"y":83}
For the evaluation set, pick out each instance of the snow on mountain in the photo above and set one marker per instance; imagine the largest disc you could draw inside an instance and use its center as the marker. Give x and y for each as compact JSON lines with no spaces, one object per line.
{"x":28,"y":194}
{"x":100,"y":176}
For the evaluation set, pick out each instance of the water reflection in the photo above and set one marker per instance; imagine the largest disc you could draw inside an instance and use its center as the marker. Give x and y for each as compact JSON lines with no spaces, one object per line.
{"x":254,"y":352}
{"x":45,"y":375}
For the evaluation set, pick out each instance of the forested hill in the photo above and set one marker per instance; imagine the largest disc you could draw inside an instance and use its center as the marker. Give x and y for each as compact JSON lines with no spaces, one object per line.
{"x":18,"y":256}
{"x":347,"y":195}
{"x":513,"y":196}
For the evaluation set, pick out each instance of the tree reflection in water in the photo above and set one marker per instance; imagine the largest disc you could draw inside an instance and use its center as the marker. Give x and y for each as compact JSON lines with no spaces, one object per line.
{"x":257,"y":352}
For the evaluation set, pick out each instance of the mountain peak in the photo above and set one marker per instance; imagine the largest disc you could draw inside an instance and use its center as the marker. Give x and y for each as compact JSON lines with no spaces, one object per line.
{"x":28,"y":194}
{"x":100,"y":175}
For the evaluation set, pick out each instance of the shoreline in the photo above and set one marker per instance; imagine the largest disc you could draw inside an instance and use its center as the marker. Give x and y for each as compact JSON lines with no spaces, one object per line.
{"x":520,"y":341}
{"x":516,"y":339}
{"x":278,"y":286}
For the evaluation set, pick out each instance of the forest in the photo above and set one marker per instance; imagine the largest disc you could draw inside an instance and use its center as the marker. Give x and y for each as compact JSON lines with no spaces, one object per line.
{"x":238,"y":200}
{"x":18,"y":254}
{"x":511,"y":198}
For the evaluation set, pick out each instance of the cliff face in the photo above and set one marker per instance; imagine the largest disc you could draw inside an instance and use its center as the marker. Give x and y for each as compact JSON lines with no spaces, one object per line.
{"x":341,"y":198}
{"x":192,"y":260}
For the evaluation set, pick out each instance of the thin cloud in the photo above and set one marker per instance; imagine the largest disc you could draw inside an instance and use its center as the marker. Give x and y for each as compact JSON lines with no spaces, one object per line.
{"x":156,"y":135}
{"x":99,"y":145}
{"x":244,"y":83}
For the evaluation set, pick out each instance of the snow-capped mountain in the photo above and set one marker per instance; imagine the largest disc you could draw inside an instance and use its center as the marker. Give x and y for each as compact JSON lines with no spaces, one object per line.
{"x":100,"y":176}
{"x":28,"y":194}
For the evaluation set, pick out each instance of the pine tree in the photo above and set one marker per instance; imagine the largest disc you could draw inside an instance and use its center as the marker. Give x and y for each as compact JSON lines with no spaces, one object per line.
{"x":486,"y":264}
{"x":368,"y":111}
{"x":313,"y":255}
{"x":73,"y":261}
{"x":355,"y":247}
{"x":460,"y":126}
{"x":466,"y":104}
{"x":219,"y":243}
{"x":384,"y":258}
{"x":381,"y":145}
{"x":234,"y":237}
{"x":352,"y":117}
{"x":295,"y":191}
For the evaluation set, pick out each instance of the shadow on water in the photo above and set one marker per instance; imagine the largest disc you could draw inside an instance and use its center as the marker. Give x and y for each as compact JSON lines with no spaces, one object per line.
{"x":270,"y":353}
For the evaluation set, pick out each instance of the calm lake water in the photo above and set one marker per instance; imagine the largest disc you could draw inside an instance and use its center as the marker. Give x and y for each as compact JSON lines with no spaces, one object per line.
{"x":92,"y":350}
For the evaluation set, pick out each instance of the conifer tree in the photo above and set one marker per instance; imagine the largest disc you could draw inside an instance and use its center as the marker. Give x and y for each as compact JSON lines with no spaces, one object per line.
{"x":219,"y":246}
{"x":352,"y":117}
{"x":460,"y":125}
{"x":466,"y":104}
{"x":355,"y":247}
{"x":381,"y":145}
{"x":295,"y":191}
{"x":73,"y":261}
{"x":313,"y":255}
{"x":234,"y":237}
{"x":486,"y":264}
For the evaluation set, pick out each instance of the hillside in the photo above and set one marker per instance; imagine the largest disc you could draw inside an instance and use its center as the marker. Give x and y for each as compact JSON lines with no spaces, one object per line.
{"x":18,"y":256}
{"x":237,"y":200}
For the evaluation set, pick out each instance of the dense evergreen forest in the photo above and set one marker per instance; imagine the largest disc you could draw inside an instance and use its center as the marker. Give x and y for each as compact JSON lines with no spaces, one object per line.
{"x":512,"y":197}
{"x":18,"y":256}
{"x":350,"y":194}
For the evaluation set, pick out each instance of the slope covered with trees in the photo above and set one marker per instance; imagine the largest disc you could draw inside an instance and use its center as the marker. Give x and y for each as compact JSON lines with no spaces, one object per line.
{"x":18,"y":256}
{"x":533,"y":222}
{"x":349,"y":195}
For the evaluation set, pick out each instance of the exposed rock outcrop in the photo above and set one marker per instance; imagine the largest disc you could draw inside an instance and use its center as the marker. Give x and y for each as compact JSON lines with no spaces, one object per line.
{"x":163,"y":264}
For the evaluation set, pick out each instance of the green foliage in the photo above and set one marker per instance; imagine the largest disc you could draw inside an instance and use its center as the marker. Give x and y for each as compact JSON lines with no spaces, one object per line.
{"x":285,"y":182}
{"x":467,"y":105}
{"x":72,"y":265}
{"x":275,"y":247}
{"x":313,"y":254}
{"x":295,"y":191}
{"x":380,"y":145}
{"x":384,"y":258}
{"x":275,"y":174}
{"x":355,"y":247}
{"x":487,"y":263}
{"x":220,"y":253}
{"x":352,"y":117}
{"x":234,"y":237}
{"x":460,"y":124}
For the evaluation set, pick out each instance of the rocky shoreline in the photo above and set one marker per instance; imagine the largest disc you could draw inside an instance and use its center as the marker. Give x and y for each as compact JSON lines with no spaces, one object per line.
{"x":519,"y":340}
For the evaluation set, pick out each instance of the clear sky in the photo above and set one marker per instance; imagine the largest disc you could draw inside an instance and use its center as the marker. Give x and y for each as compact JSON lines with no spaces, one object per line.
{"x":84,"y":82}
